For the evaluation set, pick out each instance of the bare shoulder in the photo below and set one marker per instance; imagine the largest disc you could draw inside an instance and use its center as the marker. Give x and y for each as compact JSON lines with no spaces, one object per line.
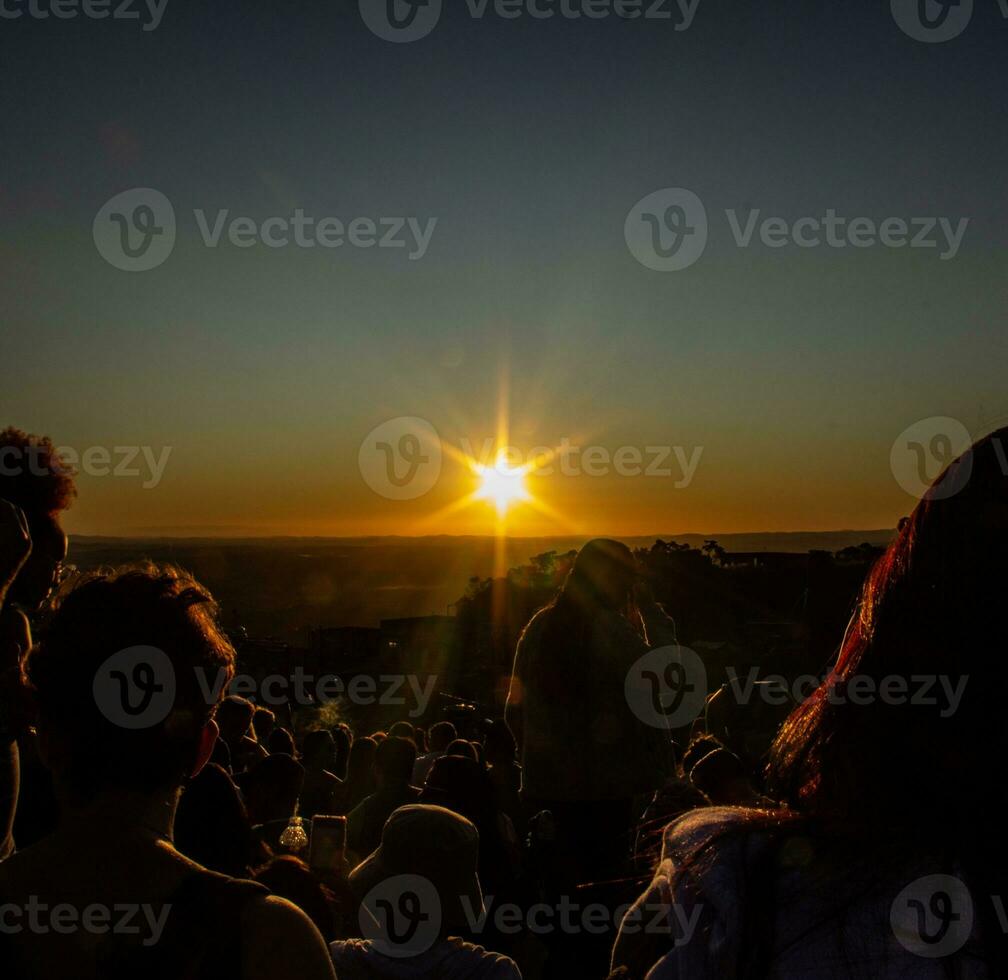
{"x":282,"y":943}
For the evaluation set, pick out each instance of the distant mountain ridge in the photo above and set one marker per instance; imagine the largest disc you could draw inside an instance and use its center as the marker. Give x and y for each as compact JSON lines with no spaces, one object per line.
{"x":794,"y":541}
{"x":284,"y":587}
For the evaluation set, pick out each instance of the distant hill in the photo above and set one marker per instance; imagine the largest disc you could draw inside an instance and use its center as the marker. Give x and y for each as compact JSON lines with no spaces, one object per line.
{"x":799,"y":541}
{"x":285,"y":586}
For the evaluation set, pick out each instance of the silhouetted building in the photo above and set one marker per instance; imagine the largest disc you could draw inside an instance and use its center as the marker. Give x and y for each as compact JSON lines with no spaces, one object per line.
{"x":340,"y":646}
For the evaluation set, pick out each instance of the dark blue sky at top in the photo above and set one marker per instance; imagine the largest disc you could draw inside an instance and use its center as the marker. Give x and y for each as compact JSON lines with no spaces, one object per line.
{"x":529,"y":140}
{"x":791,"y":100}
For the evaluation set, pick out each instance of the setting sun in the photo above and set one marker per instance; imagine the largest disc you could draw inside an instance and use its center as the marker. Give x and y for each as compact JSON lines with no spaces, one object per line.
{"x":501,"y":484}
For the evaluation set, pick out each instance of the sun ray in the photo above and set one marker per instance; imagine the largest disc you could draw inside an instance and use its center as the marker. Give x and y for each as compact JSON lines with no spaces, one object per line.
{"x":501,"y":484}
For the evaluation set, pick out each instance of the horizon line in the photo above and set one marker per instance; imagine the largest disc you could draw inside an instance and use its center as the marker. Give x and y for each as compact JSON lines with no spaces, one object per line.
{"x":234,"y":536}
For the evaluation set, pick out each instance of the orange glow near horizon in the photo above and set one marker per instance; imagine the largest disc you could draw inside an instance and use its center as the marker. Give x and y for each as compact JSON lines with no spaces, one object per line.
{"x":505,"y":475}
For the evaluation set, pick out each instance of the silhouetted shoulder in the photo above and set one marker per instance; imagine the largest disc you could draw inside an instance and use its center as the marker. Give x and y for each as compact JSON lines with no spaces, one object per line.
{"x":534,"y":627}
{"x":450,"y":959}
{"x":530,"y":641}
{"x":282,"y":943}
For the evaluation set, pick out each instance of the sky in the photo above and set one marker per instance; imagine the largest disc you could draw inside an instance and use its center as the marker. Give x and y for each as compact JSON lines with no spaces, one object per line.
{"x":503,"y":161}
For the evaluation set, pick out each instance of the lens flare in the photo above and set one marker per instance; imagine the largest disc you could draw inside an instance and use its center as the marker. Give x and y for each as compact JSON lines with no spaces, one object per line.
{"x":501,"y":484}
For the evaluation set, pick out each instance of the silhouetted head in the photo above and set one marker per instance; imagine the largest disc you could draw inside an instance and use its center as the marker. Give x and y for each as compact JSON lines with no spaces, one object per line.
{"x":87,"y":705}
{"x":402,"y":729}
{"x":263,"y":723}
{"x":436,"y":845}
{"x":459,"y":784}
{"x":319,"y":750}
{"x":602,"y":576}
{"x":394,"y":760}
{"x":272,"y":787}
{"x":462,"y":748}
{"x":234,"y":717}
{"x":36,"y":479}
{"x":599,"y":584}
{"x":211,"y":825}
{"x":699,"y":747}
{"x":362,"y":756}
{"x":441,"y":736}
{"x":281,"y":742}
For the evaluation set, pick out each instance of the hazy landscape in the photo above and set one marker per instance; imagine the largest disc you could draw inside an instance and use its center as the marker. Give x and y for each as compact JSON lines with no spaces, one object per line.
{"x":282,"y":587}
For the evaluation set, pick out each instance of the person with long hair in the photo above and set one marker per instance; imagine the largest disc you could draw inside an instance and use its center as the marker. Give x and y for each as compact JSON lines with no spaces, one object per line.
{"x":584,"y":754}
{"x":587,"y":759}
{"x":885,"y":852}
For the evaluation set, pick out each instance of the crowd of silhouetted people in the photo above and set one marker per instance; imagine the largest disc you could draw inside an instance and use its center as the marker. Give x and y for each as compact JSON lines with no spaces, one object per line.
{"x":565,"y":837}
